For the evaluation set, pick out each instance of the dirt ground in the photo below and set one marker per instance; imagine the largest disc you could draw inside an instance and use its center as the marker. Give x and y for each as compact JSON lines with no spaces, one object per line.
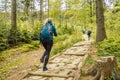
{"x":30,"y":59}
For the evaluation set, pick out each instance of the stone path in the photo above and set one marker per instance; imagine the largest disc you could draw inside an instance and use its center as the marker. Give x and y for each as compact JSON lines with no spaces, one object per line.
{"x":65,"y":66}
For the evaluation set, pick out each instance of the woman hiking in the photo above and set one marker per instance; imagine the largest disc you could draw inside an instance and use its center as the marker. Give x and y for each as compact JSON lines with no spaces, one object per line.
{"x":46,"y":37}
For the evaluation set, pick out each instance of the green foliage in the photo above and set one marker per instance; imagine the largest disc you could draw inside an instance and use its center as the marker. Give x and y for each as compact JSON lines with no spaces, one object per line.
{"x":3,"y":37}
{"x":1,"y":79}
{"x":89,"y":60}
{"x":24,"y":36}
{"x":26,"y":32}
{"x":36,"y":31}
{"x":65,"y":30}
{"x":115,"y":75}
{"x":116,"y":8}
{"x":109,"y":47}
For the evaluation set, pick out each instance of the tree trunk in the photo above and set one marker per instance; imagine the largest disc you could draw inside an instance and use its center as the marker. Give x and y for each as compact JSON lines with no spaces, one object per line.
{"x":91,"y":11}
{"x":41,"y":10}
{"x":13,"y":23}
{"x":105,"y":68}
{"x":48,"y":8}
{"x":101,"y":33}
{"x":5,"y":7}
{"x":31,"y":13}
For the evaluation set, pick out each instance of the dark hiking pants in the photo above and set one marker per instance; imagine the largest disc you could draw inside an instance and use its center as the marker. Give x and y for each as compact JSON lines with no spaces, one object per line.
{"x":88,"y":36}
{"x":47,"y":44}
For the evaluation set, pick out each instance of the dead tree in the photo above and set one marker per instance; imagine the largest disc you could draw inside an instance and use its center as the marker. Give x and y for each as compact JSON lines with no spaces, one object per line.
{"x":105,"y":68}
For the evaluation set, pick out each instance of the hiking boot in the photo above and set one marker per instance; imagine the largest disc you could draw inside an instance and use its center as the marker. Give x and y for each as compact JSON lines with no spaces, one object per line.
{"x":41,"y":60}
{"x":45,"y":68}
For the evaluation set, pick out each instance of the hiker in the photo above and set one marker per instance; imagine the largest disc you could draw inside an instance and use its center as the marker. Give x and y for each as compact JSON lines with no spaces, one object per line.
{"x":83,"y":31}
{"x":46,"y":38}
{"x":89,"y":34}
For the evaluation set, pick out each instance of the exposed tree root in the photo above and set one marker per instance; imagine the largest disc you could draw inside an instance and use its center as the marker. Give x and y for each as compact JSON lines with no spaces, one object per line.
{"x":104,"y":68}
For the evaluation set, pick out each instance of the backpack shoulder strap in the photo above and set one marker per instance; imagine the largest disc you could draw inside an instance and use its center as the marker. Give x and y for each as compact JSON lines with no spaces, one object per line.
{"x":49,"y":27}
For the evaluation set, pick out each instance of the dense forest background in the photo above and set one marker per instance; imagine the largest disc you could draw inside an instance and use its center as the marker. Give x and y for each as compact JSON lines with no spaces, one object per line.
{"x":21,"y":21}
{"x":67,"y":16}
{"x":22,"y":24}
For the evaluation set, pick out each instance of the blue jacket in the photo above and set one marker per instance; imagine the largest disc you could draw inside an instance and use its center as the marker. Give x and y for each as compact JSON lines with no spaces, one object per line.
{"x":53,"y":30}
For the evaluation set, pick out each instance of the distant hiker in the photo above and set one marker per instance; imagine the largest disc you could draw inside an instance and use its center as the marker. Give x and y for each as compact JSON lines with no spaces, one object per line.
{"x":83,"y":31}
{"x":46,"y":38}
{"x":89,"y":34}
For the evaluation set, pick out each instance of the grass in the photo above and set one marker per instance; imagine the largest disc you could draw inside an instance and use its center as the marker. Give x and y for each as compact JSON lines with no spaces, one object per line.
{"x":6,"y":68}
{"x":88,"y":62}
{"x":18,"y":50}
{"x":5,"y":56}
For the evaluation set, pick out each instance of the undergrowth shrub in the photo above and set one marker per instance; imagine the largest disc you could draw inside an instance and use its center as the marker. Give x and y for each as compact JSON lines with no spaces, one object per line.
{"x":3,"y":37}
{"x":109,"y":47}
{"x":25,"y":34}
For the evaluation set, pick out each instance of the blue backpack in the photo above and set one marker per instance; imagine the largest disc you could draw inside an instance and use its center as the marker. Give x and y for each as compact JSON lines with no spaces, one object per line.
{"x":46,"y":32}
{"x":83,"y":31}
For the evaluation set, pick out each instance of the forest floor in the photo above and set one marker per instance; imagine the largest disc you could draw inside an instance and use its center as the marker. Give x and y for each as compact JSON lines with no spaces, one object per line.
{"x":21,"y":62}
{"x":29,"y":62}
